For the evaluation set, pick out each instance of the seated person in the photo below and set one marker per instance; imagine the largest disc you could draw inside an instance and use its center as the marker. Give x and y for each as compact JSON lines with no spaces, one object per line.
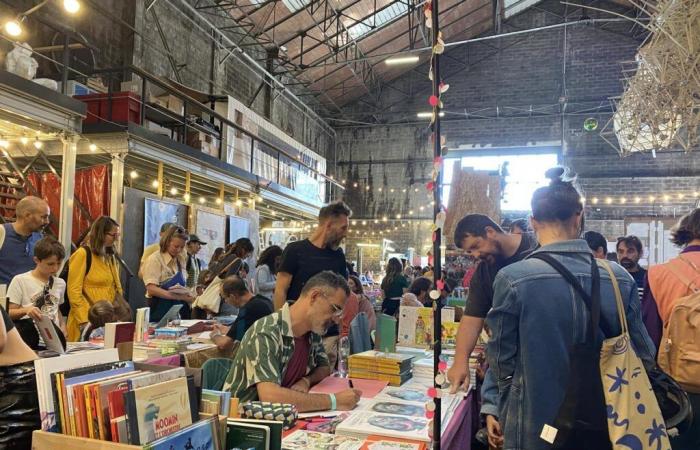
{"x":282,"y":354}
{"x":250,"y":309}
{"x":100,"y":313}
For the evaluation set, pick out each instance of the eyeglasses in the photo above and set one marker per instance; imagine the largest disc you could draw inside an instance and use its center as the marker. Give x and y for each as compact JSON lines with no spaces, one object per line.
{"x":337,"y":310}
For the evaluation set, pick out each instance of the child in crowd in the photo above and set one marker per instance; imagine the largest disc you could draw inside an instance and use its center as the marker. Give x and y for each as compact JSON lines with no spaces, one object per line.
{"x":39,"y":291}
{"x":100,"y":313}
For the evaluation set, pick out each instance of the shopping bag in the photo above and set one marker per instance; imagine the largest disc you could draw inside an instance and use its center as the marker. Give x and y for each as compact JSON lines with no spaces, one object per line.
{"x":634,"y":416}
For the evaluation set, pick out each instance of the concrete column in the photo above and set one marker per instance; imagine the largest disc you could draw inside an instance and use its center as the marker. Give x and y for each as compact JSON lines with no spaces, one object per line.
{"x":65,"y":231}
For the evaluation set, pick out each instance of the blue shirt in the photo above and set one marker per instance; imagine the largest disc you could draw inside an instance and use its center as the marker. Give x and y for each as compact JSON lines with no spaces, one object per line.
{"x":16,"y":254}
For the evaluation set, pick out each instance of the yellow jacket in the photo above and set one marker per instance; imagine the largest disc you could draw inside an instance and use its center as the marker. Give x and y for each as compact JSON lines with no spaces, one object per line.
{"x":101,"y":283}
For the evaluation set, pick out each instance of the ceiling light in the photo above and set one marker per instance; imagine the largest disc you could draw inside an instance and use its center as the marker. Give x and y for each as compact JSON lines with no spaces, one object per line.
{"x":13,"y":28}
{"x":218,"y":201}
{"x":92,"y":147}
{"x":354,"y":185}
{"x":364,"y":222}
{"x":38,"y":144}
{"x":24,"y":140}
{"x":133,"y":174}
{"x":608,"y":200}
{"x":239,"y":203}
{"x":402,"y":60}
{"x":186,"y":197}
{"x":637,"y":199}
{"x":202,"y":200}
{"x":173,"y":191}
{"x":155,"y":183}
{"x":71,"y":6}
{"x":259,"y":198}
{"x":623,"y":200}
{"x":595,"y":200}
{"x":4,"y":143}
{"x":366,"y":188}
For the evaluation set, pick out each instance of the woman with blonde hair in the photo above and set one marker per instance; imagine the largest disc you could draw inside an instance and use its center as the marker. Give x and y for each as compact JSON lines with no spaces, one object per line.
{"x":94,"y":277}
{"x":165,"y":270}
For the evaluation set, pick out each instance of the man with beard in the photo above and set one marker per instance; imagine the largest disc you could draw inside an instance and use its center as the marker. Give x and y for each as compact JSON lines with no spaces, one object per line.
{"x":629,"y":250}
{"x":482,"y":239}
{"x":303,"y":259}
{"x":282,"y":356}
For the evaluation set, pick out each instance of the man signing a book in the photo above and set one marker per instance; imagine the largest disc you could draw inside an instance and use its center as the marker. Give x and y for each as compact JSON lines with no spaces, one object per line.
{"x":281,"y":356}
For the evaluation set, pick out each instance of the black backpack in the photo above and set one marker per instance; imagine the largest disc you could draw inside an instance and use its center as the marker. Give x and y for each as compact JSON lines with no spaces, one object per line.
{"x":581,"y":422}
{"x":65,"y":306}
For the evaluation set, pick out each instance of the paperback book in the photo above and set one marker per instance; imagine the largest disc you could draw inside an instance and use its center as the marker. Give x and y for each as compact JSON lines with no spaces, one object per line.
{"x":247,"y":436}
{"x":161,"y":409}
{"x":416,"y":325}
{"x":385,"y":443}
{"x":202,"y":435}
{"x":118,"y":332}
{"x":310,"y":440}
{"x":360,"y":424}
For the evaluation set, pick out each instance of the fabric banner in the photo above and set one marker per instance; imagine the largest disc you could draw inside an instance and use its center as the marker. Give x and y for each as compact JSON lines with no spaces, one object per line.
{"x":91,"y":189}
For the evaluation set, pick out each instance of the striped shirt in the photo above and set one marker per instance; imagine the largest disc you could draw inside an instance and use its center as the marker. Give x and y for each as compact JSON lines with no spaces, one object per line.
{"x":264,"y":355}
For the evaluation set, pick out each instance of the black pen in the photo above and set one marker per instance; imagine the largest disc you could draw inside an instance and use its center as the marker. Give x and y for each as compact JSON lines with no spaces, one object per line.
{"x":350,"y":383}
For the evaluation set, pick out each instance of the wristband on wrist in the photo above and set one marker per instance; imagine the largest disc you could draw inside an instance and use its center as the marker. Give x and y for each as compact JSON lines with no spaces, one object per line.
{"x":334,"y":404}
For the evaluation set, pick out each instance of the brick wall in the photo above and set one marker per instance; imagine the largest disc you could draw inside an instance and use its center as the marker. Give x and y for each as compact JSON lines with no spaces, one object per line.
{"x":506,"y":93}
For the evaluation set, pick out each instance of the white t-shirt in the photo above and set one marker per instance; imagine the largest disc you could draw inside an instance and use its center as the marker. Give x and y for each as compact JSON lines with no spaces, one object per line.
{"x":25,"y":290}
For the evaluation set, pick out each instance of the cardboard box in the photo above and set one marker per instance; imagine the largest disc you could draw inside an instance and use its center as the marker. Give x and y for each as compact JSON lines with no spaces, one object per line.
{"x":170,"y":102}
{"x":43,"y":440}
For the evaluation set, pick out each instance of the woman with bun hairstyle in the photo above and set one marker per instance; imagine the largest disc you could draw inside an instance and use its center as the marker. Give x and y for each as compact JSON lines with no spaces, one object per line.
{"x":537,"y":318}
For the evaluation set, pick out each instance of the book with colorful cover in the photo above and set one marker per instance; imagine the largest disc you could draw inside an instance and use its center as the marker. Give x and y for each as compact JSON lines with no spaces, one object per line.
{"x":375,"y":442}
{"x":201,"y":435}
{"x":360,"y":424}
{"x":311,"y":440}
{"x":372,"y":360}
{"x":161,"y":409}
{"x":247,"y":436}
{"x":141,"y":328}
{"x":117,"y":410}
{"x":449,"y":334}
{"x":98,"y":399}
{"x":416,"y":325}
{"x":396,"y":407}
{"x":83,"y":375}
{"x":215,"y":402}
{"x":46,"y":367}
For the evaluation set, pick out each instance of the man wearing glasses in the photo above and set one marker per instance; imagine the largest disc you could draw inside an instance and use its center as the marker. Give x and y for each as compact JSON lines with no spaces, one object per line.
{"x":281,"y":356}
{"x":17,"y":239}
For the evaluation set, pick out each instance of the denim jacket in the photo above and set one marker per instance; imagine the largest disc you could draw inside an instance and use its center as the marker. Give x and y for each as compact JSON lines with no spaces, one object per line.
{"x":535,"y":320}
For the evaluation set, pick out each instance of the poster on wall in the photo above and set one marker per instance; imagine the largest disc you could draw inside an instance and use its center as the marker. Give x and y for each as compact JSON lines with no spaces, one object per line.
{"x":210,"y":227}
{"x":238,"y":227}
{"x":156,"y":213}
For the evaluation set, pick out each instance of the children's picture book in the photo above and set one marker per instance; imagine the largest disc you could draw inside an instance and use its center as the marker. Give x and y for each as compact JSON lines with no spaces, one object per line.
{"x":416,"y":325}
{"x":397,"y":407}
{"x":363,"y":423}
{"x":384,"y":443}
{"x":201,"y":435}
{"x":141,"y":328}
{"x":159,"y":410}
{"x":449,"y":334}
{"x":404,"y":394}
{"x":310,"y":440}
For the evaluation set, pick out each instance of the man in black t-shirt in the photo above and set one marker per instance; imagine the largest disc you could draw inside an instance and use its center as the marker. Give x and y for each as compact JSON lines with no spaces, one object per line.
{"x":251,"y":308}
{"x":629,"y":252}
{"x":481,"y":238}
{"x":302,"y":260}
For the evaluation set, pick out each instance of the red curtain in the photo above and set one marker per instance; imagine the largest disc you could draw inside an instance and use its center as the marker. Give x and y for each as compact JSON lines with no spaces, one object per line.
{"x":91,"y":188}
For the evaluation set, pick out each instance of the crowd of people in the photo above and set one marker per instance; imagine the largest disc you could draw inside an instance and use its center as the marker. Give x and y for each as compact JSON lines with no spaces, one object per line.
{"x":304,"y":300}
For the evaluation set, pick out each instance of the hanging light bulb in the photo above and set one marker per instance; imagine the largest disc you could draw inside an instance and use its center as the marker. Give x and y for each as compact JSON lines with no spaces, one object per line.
{"x":259,"y":198}
{"x":173,"y":191}
{"x":92,"y":147}
{"x":24,"y":140}
{"x":38,"y":144}
{"x":186,"y":197}
{"x":366,"y":188}
{"x":218,"y":201}
{"x":398,"y":216}
{"x":354,"y":184}
{"x":13,"y":28}
{"x":202,"y":200}
{"x":4,"y":143}
{"x":364,"y":222}
{"x":133,"y":174}
{"x":71,"y":6}
{"x":239,"y":203}
{"x":155,"y":183}
{"x":595,"y":200}
{"x":637,"y":199}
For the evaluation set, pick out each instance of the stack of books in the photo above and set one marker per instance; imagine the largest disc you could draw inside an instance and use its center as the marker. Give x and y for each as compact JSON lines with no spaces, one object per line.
{"x":393,"y":368}
{"x":167,"y":333}
{"x":215,"y":402}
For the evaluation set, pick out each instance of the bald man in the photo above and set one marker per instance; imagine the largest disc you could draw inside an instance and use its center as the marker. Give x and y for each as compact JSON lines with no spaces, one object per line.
{"x":17,"y":239}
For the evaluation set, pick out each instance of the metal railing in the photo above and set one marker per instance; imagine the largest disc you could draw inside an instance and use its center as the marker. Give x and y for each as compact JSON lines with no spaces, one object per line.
{"x":243,"y":148}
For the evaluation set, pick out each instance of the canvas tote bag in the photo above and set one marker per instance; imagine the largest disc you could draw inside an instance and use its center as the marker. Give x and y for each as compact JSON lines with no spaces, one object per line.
{"x":634,"y":417}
